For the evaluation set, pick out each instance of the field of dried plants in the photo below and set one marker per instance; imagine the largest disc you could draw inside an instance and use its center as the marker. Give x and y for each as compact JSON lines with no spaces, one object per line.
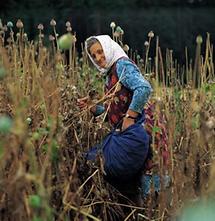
{"x":43,"y":134}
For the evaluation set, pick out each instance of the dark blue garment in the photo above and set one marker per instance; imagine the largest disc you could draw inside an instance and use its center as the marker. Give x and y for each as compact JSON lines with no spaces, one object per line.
{"x":124,"y":152}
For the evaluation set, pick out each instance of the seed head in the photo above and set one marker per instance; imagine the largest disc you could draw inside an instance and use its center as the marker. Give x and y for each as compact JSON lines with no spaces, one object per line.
{"x":68,"y":24}
{"x":25,"y":36}
{"x":138,"y":56}
{"x":29,"y":120}
{"x":69,"y":29}
{"x":119,"y":30}
{"x":74,"y":39}
{"x":51,"y":38}
{"x":40,"y":27}
{"x":53,"y":22}
{"x":112,"y":25}
{"x":151,"y":34}
{"x":199,"y":39}
{"x":65,"y":41}
{"x":126,"y":48}
{"x":146,"y":43}
{"x":10,"y":24}
{"x":74,"y":88}
{"x":19,"y":24}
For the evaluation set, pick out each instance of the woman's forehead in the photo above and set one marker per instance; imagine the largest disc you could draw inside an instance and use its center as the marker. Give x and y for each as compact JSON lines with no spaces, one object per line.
{"x":95,"y":47}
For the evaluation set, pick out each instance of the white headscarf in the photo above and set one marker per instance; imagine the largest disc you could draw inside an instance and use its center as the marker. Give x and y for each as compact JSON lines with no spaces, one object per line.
{"x":112,"y":51}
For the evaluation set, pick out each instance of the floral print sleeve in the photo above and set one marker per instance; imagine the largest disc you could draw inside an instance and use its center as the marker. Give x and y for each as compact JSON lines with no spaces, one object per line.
{"x":130,"y":76}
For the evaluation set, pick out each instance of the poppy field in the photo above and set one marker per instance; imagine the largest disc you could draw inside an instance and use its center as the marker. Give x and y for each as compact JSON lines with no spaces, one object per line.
{"x":44,"y":175}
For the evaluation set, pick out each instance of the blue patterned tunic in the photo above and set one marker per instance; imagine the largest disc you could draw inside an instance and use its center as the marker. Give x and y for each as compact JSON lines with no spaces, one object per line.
{"x":130,"y":77}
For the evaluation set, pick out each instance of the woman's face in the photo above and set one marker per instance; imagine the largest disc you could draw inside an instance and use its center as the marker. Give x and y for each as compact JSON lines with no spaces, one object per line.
{"x":97,"y":54}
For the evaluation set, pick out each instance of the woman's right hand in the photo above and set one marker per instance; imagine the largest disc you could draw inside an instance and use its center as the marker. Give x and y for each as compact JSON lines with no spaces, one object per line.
{"x":85,"y":102}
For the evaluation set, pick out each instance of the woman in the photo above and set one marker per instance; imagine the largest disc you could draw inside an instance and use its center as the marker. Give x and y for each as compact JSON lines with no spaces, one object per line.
{"x":124,"y":151}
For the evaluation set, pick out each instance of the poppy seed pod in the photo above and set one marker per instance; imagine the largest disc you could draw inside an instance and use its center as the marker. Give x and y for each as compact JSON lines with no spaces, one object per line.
{"x":53,"y":22}
{"x":112,"y":24}
{"x":51,"y":38}
{"x":29,"y":120}
{"x":68,"y":24}
{"x":138,"y":57}
{"x":126,"y":48}
{"x":199,"y":39}
{"x":146,"y":43}
{"x":19,"y":24}
{"x":10,"y":24}
{"x":25,"y":36}
{"x":65,"y":41}
{"x":40,"y":27}
{"x":74,"y":38}
{"x":119,"y":30}
{"x":151,"y":34}
{"x":69,"y":29}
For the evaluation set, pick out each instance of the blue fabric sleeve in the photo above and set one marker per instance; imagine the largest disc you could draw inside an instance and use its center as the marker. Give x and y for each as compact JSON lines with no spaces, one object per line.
{"x":130,"y":76}
{"x":99,"y":110}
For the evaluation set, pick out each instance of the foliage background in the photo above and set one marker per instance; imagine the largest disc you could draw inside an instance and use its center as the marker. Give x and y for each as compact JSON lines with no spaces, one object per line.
{"x":176,"y":22}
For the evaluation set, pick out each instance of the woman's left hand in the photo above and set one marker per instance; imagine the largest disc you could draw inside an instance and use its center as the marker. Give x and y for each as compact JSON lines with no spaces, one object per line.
{"x":127,"y":122}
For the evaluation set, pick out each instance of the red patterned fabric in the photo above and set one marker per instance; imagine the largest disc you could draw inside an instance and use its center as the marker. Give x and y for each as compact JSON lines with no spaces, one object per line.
{"x":121,"y":99}
{"x":155,"y":125}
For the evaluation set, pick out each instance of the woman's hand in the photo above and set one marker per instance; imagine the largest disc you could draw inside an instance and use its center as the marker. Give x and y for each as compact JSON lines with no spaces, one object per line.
{"x":127,"y":122}
{"x":129,"y":119}
{"x":85,"y":102}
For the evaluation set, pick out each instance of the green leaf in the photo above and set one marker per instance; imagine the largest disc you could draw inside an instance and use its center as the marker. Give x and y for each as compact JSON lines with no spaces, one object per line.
{"x":5,"y":124}
{"x":35,"y":201}
{"x":156,"y":129}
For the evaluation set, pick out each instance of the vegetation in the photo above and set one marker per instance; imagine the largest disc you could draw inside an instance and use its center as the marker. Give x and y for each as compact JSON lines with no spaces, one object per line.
{"x":176,"y":22}
{"x":43,"y":135}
